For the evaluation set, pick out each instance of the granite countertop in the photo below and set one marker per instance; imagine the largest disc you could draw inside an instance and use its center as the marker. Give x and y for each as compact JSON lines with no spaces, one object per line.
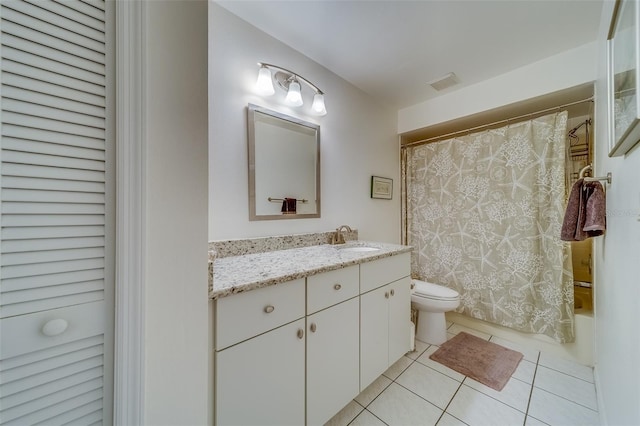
{"x":237,"y":274}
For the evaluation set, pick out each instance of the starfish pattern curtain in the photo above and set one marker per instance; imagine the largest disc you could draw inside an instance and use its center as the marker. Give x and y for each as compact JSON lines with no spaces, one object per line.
{"x":484,"y":213}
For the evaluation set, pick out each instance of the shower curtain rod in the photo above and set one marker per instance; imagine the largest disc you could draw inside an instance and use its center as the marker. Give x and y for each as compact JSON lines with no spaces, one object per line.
{"x":483,"y":126}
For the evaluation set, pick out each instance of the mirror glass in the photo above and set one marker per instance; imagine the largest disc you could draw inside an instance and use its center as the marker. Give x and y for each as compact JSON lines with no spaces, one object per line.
{"x":284,"y":166}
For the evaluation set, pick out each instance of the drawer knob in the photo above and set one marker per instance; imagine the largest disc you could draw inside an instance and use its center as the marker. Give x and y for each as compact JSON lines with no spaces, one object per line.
{"x":300,"y":333}
{"x":337,"y":287}
{"x":386,"y":294}
{"x":55,"y":327}
{"x":313,"y":327}
{"x":269,"y":309}
{"x":393,"y":292}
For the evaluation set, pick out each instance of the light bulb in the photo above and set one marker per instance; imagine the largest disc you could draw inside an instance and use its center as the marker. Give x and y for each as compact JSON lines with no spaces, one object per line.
{"x":294,"y":97}
{"x":318,"y":104}
{"x":264,"y":84}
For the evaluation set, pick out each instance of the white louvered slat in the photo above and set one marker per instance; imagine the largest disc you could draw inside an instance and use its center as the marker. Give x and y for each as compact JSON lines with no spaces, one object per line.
{"x":49,"y":388}
{"x":54,"y":173}
{"x":44,"y":39}
{"x":17,"y":246}
{"x":11,"y":362}
{"x":81,"y":416}
{"x":56,"y":19}
{"x":35,"y":232}
{"x":85,"y":8}
{"x":46,"y":172}
{"x":35,"y":196}
{"x":37,"y":98}
{"x":12,"y":310}
{"x":69,"y":13}
{"x":28,"y":258}
{"x":58,"y":407}
{"x":24,"y":296}
{"x":51,"y":268}
{"x":56,"y":79}
{"x":95,"y":3}
{"x":40,"y":281}
{"x":53,"y":125}
{"x":51,"y":54}
{"x":26,"y":133}
{"x":41,"y":111}
{"x":52,"y":30}
{"x":53,"y":220}
{"x":10,"y":156}
{"x":51,"y":208}
{"x":52,"y":185}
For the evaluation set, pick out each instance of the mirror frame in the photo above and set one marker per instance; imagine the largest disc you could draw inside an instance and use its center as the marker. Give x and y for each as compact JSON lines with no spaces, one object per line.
{"x":251,"y":112}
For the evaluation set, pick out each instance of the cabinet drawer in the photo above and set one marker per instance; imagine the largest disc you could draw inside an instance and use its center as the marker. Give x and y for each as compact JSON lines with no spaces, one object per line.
{"x":244,"y":315}
{"x":329,"y":288}
{"x":383,"y":271}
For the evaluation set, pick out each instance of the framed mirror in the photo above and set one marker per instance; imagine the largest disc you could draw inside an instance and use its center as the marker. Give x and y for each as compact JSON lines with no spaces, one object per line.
{"x":284,"y":166}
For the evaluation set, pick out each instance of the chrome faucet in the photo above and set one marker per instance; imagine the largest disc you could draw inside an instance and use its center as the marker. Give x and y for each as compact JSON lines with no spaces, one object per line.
{"x":338,"y":236}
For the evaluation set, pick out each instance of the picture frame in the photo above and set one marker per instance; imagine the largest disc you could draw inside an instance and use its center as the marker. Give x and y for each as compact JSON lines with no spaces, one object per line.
{"x":381,"y":187}
{"x":623,"y":76}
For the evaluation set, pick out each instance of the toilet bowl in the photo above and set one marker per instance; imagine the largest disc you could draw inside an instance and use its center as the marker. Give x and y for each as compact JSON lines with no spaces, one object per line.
{"x":432,"y":301}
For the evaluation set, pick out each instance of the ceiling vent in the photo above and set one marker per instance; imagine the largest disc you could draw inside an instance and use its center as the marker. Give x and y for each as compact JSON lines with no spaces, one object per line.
{"x":444,"y":82}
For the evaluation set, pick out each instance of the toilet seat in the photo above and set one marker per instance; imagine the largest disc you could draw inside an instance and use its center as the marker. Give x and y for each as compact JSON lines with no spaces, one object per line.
{"x":434,"y":291}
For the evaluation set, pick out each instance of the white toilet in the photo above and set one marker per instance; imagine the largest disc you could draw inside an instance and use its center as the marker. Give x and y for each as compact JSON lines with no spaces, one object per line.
{"x":432,"y":301}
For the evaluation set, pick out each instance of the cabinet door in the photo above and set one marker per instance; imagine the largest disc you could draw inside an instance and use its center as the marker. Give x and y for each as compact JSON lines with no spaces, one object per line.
{"x":261,"y":381}
{"x":332,"y":360}
{"x":374,"y":335}
{"x":399,"y":318}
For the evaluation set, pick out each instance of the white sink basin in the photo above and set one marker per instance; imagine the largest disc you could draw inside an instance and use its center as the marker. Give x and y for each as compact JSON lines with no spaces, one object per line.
{"x":358,"y":248}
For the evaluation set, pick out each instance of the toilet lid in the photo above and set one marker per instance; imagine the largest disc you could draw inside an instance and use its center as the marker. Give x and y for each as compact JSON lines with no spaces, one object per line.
{"x":434,"y":291}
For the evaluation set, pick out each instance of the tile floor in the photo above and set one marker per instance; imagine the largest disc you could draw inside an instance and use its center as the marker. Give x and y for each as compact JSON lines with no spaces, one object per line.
{"x":544,"y":390}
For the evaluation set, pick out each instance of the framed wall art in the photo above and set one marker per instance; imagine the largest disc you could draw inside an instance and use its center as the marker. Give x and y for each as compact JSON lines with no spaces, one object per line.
{"x":623,"y":72}
{"x":381,"y":187}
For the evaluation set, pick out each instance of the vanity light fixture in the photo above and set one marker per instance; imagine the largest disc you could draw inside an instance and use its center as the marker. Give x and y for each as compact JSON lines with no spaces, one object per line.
{"x":289,"y":81}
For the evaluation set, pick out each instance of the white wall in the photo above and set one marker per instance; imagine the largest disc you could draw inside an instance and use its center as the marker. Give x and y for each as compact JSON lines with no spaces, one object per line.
{"x":562,"y":71}
{"x":617,"y":291}
{"x":176,"y":305}
{"x":358,"y":139}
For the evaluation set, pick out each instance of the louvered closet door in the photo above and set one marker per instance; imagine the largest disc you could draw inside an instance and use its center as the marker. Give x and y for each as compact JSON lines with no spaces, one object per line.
{"x":56,"y":187}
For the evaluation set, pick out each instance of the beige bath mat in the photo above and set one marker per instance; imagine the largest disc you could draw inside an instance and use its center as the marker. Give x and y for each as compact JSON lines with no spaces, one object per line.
{"x":488,"y":363}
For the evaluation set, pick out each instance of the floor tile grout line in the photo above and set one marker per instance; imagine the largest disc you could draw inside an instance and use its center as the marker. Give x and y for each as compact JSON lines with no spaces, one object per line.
{"x":567,"y":374}
{"x":533,"y":381}
{"x":566,"y":399}
{"x":449,"y":403}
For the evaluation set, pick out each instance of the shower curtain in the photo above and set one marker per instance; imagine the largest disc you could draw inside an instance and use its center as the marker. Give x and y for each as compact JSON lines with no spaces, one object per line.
{"x":484,"y":212}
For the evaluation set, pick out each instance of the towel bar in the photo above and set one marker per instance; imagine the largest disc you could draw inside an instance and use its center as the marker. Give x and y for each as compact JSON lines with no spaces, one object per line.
{"x":276,"y":200}
{"x":593,"y":179}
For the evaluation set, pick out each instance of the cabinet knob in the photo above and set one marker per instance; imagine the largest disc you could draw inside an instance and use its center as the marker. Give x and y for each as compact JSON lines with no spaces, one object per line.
{"x":300,"y":333}
{"x":55,"y":327}
{"x":337,"y":287}
{"x":393,"y":292}
{"x":386,"y":294}
{"x":313,"y":327}
{"x":268,"y":309}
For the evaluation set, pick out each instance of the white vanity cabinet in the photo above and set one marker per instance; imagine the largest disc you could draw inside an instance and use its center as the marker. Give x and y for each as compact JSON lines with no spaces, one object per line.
{"x":260,"y":356}
{"x":385,"y":309}
{"x":333,"y":352}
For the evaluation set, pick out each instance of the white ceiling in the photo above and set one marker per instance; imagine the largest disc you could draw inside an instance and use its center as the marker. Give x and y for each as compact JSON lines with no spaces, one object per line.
{"x":391,"y":49}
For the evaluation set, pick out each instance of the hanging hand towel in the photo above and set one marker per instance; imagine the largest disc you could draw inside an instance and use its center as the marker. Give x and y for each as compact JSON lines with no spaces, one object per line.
{"x":570,"y":224}
{"x":289,"y":206}
{"x":595,"y":210}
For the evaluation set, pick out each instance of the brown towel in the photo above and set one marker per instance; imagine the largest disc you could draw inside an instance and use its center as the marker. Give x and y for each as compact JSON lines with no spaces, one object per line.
{"x":596,"y":218}
{"x":572,"y":214}
{"x":585,"y":216}
{"x":289,"y":206}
